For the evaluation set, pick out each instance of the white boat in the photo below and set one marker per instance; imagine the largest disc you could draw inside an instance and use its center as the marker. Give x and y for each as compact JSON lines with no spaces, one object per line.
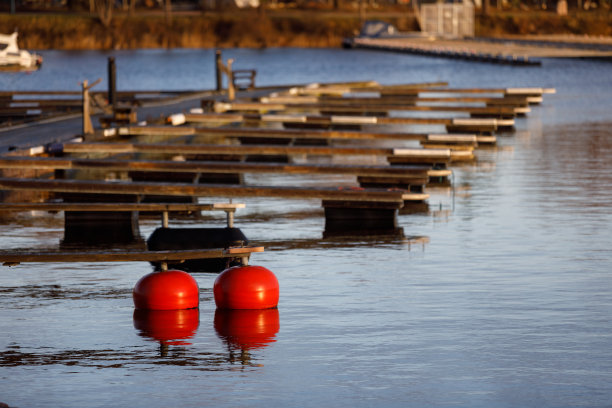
{"x":11,"y":57}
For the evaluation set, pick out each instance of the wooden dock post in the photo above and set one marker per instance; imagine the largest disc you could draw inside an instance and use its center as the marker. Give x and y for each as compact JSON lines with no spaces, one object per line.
{"x":112,"y":82}
{"x":87,"y":127}
{"x":86,"y":100}
{"x":218,"y":72}
{"x":227,"y":70}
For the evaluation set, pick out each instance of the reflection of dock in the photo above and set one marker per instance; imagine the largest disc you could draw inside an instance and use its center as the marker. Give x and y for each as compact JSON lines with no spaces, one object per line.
{"x":344,"y":242}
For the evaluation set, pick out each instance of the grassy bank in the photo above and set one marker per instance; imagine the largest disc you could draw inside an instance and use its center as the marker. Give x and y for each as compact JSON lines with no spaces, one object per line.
{"x":594,"y":23}
{"x":243,"y":28}
{"x":237,"y":29}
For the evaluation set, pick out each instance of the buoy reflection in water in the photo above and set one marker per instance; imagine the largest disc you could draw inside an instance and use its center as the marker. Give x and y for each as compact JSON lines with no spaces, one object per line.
{"x":168,"y":327}
{"x":246,"y":330}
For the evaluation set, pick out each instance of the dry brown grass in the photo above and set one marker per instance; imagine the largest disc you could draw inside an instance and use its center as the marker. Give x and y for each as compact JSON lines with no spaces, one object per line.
{"x":242,"y":28}
{"x":532,"y":23}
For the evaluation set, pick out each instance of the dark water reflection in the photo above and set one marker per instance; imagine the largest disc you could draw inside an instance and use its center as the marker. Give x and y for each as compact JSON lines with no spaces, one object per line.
{"x":574,"y":166}
{"x":169,"y":355}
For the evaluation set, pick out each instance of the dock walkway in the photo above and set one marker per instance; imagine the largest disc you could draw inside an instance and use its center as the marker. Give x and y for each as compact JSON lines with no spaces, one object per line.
{"x":506,"y":50}
{"x":63,"y":128}
{"x":208,"y":152}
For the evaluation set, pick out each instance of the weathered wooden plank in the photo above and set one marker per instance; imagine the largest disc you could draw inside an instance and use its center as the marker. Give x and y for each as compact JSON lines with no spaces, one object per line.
{"x":393,"y":100}
{"x":208,"y":190}
{"x":51,"y":93}
{"x":406,"y":154}
{"x":51,"y":163}
{"x":311,"y":119}
{"x":125,"y":256}
{"x":154,"y":130}
{"x":526,"y":91}
{"x":249,"y":132}
{"x":342,"y":88}
{"x":501,"y":111}
{"x":78,"y":93}
{"x":254,"y":132}
{"x":42,"y":104}
{"x":113,"y":207}
{"x":488,"y":125}
{"x":416,"y":90}
{"x":194,"y":149}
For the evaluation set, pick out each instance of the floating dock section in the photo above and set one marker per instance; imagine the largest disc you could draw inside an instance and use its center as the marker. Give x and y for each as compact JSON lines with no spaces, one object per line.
{"x":104,"y":180}
{"x":512,"y":51}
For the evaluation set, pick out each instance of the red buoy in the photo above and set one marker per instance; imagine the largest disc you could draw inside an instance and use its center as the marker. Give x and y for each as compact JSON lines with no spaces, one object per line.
{"x":246,"y":287}
{"x":166,"y":290}
{"x":169,"y":327}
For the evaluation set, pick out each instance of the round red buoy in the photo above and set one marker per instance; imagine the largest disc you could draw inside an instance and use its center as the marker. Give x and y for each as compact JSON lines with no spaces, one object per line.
{"x":246,"y":287}
{"x":166,"y":290}
{"x":247,"y":329}
{"x":171,"y":327}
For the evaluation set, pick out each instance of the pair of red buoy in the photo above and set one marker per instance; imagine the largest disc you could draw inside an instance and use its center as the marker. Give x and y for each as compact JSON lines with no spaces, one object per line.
{"x":239,"y":287}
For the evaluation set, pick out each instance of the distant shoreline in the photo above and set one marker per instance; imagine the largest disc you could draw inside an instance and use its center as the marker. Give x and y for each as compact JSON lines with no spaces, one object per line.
{"x":274,"y":28}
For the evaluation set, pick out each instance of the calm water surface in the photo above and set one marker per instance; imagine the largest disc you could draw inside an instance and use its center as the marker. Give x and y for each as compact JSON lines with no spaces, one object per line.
{"x":500,"y":296}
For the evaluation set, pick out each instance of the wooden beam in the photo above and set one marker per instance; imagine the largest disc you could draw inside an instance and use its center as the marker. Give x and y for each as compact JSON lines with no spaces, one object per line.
{"x":250,"y":132}
{"x":528,"y":91}
{"x":339,"y":89}
{"x":195,"y":149}
{"x":303,"y":134}
{"x":416,"y":90}
{"x":113,"y":207}
{"x":51,"y":163}
{"x":255,"y":132}
{"x":470,"y":124}
{"x":208,"y":190}
{"x":78,"y":93}
{"x":339,"y":120}
{"x":14,"y":258}
{"x":497,"y":111}
{"x":394,"y":100}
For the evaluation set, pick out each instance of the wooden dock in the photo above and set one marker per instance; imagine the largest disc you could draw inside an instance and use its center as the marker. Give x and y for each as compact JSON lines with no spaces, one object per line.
{"x":209,"y":190}
{"x":194,"y":166}
{"x":501,"y":112}
{"x":486,"y":125}
{"x":293,"y":135}
{"x":18,"y":107}
{"x":164,"y":208}
{"x":499,"y":51}
{"x":15,"y":258}
{"x":242,"y":151}
{"x":317,"y":119}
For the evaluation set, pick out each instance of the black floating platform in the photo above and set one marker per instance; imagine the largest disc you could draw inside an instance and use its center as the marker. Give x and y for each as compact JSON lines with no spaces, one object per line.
{"x":88,"y":228}
{"x":197,"y":238}
{"x":354,"y":218}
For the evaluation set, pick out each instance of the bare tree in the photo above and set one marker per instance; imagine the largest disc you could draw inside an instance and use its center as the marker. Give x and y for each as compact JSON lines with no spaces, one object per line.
{"x":168,"y":21}
{"x":132,"y":8}
{"x":485,"y":7}
{"x":104,"y":8}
